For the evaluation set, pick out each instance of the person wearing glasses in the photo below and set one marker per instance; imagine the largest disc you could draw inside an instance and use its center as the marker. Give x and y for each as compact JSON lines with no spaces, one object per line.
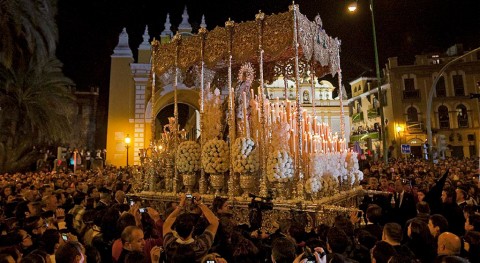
{"x":25,"y":246}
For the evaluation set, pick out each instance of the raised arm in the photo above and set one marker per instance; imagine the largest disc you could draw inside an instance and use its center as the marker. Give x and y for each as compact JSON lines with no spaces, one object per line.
{"x":209,"y":215}
{"x":167,"y":225}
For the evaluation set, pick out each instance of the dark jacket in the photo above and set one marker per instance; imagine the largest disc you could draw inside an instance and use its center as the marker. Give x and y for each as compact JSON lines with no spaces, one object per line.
{"x":404,"y":208}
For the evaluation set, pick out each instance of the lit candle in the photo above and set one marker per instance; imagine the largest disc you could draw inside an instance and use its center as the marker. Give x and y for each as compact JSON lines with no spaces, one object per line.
{"x":288,"y":112}
{"x":311,"y":143}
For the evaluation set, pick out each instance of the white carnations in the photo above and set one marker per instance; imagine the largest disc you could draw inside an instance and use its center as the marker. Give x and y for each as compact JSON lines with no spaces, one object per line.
{"x":188,"y":157}
{"x":279,"y":166}
{"x":245,"y":156}
{"x":313,"y":185}
{"x":215,"y":156}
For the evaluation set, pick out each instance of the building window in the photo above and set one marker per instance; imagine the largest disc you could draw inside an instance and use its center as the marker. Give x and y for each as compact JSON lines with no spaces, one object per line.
{"x":443,"y":118}
{"x":412,"y":114}
{"x":441,"y":89}
{"x":306,"y":97}
{"x":410,"y":92}
{"x":458,"y":85}
{"x":409,"y":84}
{"x":462,"y":116}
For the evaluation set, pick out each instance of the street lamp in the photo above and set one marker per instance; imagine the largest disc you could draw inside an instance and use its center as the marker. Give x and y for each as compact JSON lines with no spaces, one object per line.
{"x":352,"y":7}
{"x":127,"y":145}
{"x":399,"y":129}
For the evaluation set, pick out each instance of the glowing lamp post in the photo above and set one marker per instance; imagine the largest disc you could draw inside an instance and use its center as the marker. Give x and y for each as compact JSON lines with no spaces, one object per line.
{"x":353,"y":7}
{"x":127,"y":145}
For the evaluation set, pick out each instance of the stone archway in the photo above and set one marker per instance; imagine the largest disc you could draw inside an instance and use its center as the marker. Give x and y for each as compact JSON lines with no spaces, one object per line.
{"x":165,"y":97}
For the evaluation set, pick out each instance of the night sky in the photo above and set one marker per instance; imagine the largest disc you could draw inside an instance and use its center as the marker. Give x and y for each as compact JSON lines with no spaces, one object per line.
{"x":89,"y":29}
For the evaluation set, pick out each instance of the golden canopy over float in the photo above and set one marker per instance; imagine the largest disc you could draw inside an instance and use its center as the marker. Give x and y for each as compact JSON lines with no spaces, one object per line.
{"x":271,"y":146}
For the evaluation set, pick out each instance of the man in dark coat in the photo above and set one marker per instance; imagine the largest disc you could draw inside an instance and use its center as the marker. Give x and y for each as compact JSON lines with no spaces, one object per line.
{"x":404,"y":207}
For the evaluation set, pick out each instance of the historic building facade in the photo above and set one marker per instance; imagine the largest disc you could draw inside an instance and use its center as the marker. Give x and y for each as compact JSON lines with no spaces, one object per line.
{"x":130,"y":107}
{"x":327,"y":108}
{"x":406,"y":88}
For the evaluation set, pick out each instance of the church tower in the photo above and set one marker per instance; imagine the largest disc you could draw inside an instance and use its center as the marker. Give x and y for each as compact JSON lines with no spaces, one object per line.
{"x":130,"y":104}
{"x":121,"y":102}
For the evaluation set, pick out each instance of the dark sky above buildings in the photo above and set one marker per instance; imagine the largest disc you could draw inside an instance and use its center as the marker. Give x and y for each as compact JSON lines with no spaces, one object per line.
{"x":89,"y":29}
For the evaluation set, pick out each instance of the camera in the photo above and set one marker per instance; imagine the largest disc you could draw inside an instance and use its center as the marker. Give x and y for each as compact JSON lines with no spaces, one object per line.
{"x":64,"y":236}
{"x":210,"y":261}
{"x":307,"y":254}
{"x":189,"y":196}
{"x":142,"y":210}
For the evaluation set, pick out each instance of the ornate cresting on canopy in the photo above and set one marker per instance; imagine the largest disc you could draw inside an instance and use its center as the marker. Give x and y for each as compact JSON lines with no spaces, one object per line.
{"x":314,"y":44}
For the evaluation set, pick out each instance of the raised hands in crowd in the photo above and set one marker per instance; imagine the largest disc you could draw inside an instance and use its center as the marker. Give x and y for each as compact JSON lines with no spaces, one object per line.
{"x":416,"y":213}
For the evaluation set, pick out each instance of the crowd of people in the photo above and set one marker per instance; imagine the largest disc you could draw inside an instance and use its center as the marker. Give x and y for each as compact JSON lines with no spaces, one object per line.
{"x":415,"y":212}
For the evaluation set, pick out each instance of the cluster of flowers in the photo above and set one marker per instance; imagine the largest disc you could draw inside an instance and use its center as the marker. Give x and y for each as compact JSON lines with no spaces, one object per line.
{"x":188,"y":157}
{"x":215,"y":156}
{"x":327,"y":169}
{"x":279,"y":166}
{"x":353,"y":167}
{"x":245,"y":156}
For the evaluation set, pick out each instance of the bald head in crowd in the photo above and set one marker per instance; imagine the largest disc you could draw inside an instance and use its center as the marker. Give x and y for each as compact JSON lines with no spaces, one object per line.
{"x":448,"y":244}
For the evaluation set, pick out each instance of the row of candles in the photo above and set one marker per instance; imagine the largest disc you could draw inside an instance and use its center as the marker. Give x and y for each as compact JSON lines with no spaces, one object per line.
{"x":316,"y":136}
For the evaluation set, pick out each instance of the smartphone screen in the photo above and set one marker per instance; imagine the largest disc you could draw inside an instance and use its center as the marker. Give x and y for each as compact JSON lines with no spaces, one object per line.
{"x":64,"y":236}
{"x":132,"y":202}
{"x":188,"y":196}
{"x":142,"y":210}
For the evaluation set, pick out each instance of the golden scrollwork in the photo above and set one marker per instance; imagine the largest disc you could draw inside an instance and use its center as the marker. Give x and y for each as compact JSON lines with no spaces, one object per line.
{"x":216,"y":46}
{"x":190,"y":51}
{"x":246,"y":42}
{"x":164,"y":58}
{"x":277,"y":34}
{"x":277,"y":44}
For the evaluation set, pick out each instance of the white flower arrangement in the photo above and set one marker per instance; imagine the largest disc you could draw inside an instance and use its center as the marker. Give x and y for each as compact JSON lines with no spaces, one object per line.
{"x":351,"y":163}
{"x":245,"y":156}
{"x":215,"y":156}
{"x":188,"y":157}
{"x":329,"y":183}
{"x":279,"y":166}
{"x":313,"y":185}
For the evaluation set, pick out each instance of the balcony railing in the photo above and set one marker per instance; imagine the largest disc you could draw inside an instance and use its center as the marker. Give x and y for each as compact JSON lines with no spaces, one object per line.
{"x":411,"y":94}
{"x":364,"y":136}
{"x":373,"y":113}
{"x":415,"y":127}
{"x":357,"y":117}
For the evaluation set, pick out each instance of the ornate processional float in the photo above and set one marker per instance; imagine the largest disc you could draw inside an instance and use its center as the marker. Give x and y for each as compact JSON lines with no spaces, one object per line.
{"x":251,"y":144}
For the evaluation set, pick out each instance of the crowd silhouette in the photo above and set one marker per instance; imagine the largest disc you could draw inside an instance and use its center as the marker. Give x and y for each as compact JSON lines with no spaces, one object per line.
{"x":419,"y":212}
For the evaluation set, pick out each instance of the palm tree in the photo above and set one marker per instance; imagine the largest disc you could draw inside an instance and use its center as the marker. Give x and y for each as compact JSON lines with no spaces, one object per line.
{"x":36,"y":105}
{"x":37,"y":108}
{"x":28,"y":31}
